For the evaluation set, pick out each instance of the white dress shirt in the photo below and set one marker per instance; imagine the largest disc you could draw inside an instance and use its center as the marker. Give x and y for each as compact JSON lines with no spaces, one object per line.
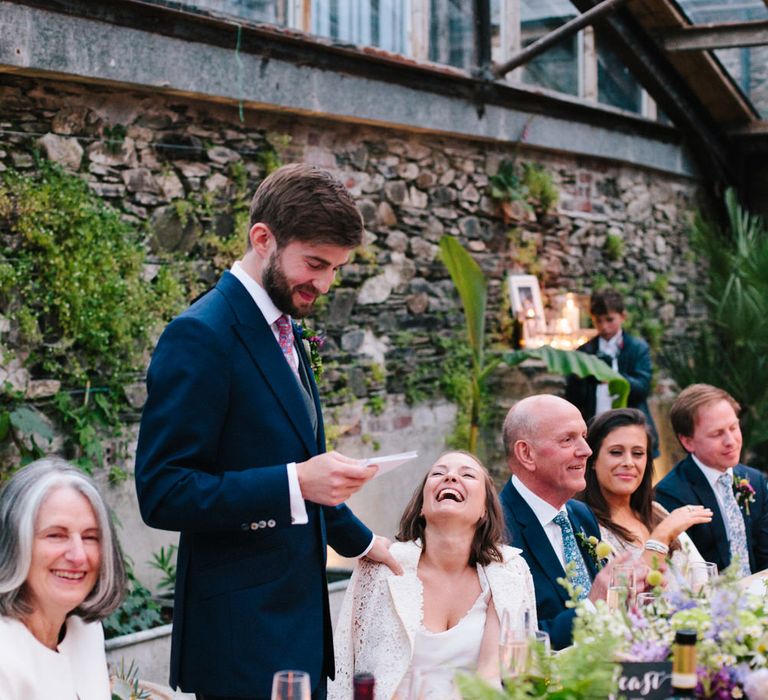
{"x":612,"y":347}
{"x":545,"y":514}
{"x":712,"y":476}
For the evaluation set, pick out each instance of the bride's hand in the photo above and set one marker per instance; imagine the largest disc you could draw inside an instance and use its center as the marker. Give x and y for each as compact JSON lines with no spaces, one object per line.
{"x":678,"y":521}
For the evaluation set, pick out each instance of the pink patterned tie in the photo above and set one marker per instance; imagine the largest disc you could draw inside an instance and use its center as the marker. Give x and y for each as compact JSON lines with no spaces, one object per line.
{"x":285,"y":339}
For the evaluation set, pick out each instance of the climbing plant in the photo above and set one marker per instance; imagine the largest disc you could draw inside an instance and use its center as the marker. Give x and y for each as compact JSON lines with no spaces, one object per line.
{"x":78,"y":306}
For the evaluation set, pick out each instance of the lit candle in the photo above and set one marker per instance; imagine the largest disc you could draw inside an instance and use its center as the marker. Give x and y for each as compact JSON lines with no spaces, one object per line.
{"x":571,"y":312}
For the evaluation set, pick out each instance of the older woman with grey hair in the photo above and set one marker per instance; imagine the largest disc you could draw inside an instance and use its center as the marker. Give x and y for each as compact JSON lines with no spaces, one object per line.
{"x":61,"y":572}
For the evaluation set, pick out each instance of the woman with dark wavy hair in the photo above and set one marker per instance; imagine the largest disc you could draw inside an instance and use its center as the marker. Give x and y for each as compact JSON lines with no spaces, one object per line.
{"x":444,"y":611}
{"x":620,"y":492}
{"x":61,"y":573}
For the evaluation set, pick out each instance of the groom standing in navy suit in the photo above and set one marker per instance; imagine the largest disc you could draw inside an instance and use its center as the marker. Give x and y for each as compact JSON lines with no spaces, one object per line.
{"x":706,"y":421}
{"x":231,"y":454}
{"x":544,"y":440}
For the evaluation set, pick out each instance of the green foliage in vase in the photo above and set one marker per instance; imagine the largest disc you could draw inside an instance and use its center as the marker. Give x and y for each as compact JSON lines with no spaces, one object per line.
{"x":730,"y":350}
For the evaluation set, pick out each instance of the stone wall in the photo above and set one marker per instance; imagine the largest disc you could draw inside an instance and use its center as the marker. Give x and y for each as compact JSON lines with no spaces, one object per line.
{"x":393,"y":315}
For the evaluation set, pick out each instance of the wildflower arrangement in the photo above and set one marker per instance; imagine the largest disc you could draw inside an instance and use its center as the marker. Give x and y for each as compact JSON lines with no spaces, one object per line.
{"x":744,"y":492}
{"x":313,"y":342}
{"x":732,"y":630}
{"x":732,"y":647}
{"x":598,"y":550}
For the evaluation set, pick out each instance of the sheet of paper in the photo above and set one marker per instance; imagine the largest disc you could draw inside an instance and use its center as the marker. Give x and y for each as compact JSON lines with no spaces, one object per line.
{"x":389,"y":462}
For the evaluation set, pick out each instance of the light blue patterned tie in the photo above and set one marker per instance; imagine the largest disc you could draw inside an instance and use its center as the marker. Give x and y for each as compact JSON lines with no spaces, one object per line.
{"x":734,"y":523}
{"x":572,"y":553}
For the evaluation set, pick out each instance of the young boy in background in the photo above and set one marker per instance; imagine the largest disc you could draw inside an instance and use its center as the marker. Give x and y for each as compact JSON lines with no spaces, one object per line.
{"x":623,"y":352}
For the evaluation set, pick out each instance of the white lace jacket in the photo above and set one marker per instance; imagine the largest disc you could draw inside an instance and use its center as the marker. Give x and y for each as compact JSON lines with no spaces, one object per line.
{"x":381,"y":613}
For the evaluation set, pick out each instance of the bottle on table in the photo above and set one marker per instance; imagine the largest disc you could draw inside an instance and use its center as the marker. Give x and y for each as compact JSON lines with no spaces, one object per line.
{"x":363,"y":686}
{"x":684,"y":665}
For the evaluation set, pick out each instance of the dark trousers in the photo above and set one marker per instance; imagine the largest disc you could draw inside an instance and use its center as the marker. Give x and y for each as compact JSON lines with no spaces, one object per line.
{"x":319,"y":694}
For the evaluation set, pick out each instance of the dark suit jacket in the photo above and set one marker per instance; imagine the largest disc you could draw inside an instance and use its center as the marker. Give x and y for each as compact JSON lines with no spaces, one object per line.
{"x":686,"y":484}
{"x":223,"y":417}
{"x":527,"y":534}
{"x":634,"y":362}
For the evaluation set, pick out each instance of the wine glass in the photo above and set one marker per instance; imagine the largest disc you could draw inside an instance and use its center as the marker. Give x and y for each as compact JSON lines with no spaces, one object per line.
{"x":513,"y":642}
{"x":539,"y":650}
{"x":700,"y":576}
{"x":291,"y":685}
{"x":621,"y":586}
{"x":645,"y":601}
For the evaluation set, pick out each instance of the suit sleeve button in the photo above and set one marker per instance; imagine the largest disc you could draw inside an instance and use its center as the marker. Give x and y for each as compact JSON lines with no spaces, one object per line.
{"x":262,"y":523}
{"x":244,"y":527}
{"x":271,"y":523}
{"x":254,"y":526}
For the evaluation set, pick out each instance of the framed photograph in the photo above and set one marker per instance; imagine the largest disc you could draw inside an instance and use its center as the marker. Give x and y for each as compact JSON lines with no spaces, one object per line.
{"x":525,"y":297}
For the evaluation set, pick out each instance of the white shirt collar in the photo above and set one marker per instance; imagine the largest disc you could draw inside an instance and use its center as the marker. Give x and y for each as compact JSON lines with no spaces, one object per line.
{"x":712,"y":474}
{"x":259,"y":295}
{"x":544,"y":512}
{"x":612,"y":346}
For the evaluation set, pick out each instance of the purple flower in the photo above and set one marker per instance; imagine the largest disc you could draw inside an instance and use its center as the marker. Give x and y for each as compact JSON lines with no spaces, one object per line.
{"x":649,"y":650}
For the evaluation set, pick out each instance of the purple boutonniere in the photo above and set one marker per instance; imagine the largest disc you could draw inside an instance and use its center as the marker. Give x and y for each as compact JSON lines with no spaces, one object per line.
{"x":313,"y":341}
{"x":744,"y":492}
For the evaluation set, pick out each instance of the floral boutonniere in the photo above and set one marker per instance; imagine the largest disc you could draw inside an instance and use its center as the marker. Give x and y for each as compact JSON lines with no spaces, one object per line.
{"x":599,"y":550}
{"x":743,"y":491}
{"x":313,"y":342}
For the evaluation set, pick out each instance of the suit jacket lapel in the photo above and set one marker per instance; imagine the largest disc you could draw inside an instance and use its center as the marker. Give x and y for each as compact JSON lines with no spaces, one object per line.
{"x":706,"y":496}
{"x":265,"y":352}
{"x":535,"y":543}
{"x":314,"y":393}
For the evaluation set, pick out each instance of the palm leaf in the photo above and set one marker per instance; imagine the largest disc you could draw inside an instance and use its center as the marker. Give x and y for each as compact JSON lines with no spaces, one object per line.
{"x":471,"y":285}
{"x":581,"y":364}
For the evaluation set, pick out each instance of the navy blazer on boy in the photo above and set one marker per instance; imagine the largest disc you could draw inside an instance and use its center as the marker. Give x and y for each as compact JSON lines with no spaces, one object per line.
{"x":634,"y":364}
{"x":686,"y":484}
{"x":224,"y":416}
{"x":527,"y":534}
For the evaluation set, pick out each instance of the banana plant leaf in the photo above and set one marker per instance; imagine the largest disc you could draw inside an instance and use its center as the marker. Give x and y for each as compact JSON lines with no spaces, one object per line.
{"x":581,"y":364}
{"x":472,"y":287}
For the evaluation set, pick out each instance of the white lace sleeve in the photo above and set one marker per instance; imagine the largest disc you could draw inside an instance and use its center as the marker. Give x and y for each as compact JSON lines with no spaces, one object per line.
{"x":369,"y":636}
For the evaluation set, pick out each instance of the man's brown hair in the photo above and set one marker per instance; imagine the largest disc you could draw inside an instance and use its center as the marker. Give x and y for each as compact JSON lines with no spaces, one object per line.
{"x":300,"y":202}
{"x":686,"y":407}
{"x":606,"y":301}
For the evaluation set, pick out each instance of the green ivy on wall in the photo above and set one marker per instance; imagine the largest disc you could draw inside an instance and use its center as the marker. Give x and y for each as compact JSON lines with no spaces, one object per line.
{"x":72,"y":286}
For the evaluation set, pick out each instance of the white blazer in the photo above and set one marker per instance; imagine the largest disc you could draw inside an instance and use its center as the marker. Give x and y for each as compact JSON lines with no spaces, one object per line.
{"x":381,"y":613}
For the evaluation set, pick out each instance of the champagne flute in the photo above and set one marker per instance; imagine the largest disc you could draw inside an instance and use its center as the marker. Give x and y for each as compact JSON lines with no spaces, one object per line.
{"x":700,"y":576}
{"x":621,"y":586}
{"x":513,"y":643}
{"x":291,"y":685}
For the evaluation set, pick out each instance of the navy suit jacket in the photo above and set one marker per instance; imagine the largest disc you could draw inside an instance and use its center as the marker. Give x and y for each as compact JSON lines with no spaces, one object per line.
{"x":224,"y":416}
{"x":686,"y":484}
{"x":634,"y":363}
{"x":527,"y":534}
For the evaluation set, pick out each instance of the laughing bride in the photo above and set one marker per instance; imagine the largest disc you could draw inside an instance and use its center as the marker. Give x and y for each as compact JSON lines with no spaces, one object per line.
{"x":442,"y":614}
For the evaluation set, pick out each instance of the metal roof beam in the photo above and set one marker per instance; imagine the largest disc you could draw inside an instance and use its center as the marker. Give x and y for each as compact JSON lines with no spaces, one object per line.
{"x":716,"y":36}
{"x":548,"y":40}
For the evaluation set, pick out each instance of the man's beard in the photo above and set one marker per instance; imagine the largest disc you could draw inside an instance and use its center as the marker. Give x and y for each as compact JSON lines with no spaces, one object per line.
{"x":280,"y":292}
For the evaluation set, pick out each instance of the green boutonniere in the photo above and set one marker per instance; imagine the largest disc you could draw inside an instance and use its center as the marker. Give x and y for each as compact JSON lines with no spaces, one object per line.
{"x":313,"y":342}
{"x":599,"y":550}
